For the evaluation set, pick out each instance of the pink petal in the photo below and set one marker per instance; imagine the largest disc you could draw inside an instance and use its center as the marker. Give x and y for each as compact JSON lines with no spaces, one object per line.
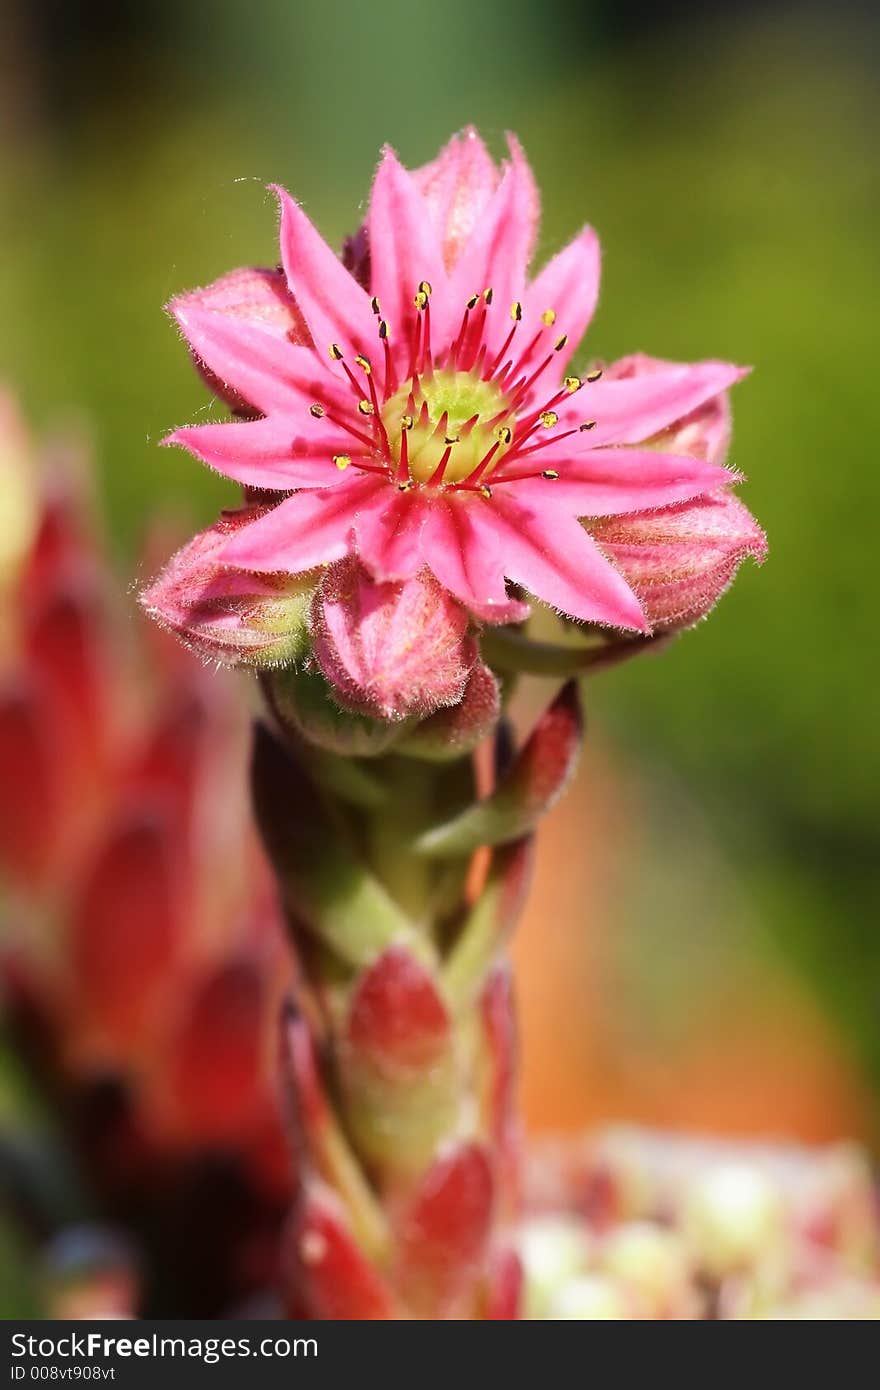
{"x":308,"y":529}
{"x":268,"y":453}
{"x":404,"y":250}
{"x":388,"y":530}
{"x":569,"y":285}
{"x":497,"y":254}
{"x":465,"y":557}
{"x":273,"y":375}
{"x":632,"y":410}
{"x":547,"y":551}
{"x":336,"y":309}
{"x":456,"y":186}
{"x":605,"y":482}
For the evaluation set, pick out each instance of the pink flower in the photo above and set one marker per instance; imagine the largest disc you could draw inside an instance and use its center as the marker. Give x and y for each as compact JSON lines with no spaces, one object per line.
{"x":431,"y":421}
{"x":679,"y":560}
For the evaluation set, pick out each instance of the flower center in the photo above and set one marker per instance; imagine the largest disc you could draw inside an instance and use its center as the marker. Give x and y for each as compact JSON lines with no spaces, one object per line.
{"x":451,"y":421}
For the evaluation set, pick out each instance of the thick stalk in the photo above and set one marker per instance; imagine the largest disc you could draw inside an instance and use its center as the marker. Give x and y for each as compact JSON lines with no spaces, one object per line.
{"x":401,"y":1052}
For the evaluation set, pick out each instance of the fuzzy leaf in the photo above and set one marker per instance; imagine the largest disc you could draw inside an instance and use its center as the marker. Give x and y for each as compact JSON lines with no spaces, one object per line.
{"x":535,"y":780}
{"x":397,"y":1065}
{"x":444,"y":1231}
{"x":489,"y":922}
{"x":328,"y":1275}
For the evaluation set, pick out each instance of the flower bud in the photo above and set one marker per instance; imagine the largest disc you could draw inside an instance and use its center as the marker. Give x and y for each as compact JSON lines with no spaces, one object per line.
{"x":230,"y":615}
{"x":257,"y":297}
{"x":390,"y":650}
{"x":458,"y":729}
{"x":680,"y":560}
{"x":704,"y":433}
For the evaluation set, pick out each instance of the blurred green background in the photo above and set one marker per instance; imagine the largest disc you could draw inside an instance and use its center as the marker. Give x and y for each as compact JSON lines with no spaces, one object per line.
{"x":727,"y":157}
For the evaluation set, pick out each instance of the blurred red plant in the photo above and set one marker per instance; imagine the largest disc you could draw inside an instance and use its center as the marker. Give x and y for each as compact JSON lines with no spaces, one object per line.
{"x":142,"y":955}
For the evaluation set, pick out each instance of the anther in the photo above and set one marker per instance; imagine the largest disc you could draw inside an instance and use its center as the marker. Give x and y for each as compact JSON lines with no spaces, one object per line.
{"x":550,"y":474}
{"x":374,"y":305}
{"x":485,"y":491}
{"x":504,"y":434}
{"x":405,"y":487}
{"x":516,"y":311}
{"x":420,"y":300}
{"x":336,"y":352}
{"x":572,"y":384}
{"x":549,"y":317}
{"x":451,"y":438}
{"x":488,"y":295}
{"x":383,"y":328}
{"x":406,"y":422}
{"x":342,"y":461}
{"x":425,"y":287}
{"x":560,"y":343}
{"x":473,"y":301}
{"x":366,"y":407}
{"x":317,"y":411}
{"x":549,"y":418}
{"x":587,"y":425}
{"x":364,"y":364}
{"x":594,"y":375}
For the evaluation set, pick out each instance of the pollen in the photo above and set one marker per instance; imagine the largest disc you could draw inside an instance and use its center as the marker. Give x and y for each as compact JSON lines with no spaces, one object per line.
{"x":458,"y":418}
{"x":548,"y":318}
{"x":549,"y":418}
{"x":342,"y":461}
